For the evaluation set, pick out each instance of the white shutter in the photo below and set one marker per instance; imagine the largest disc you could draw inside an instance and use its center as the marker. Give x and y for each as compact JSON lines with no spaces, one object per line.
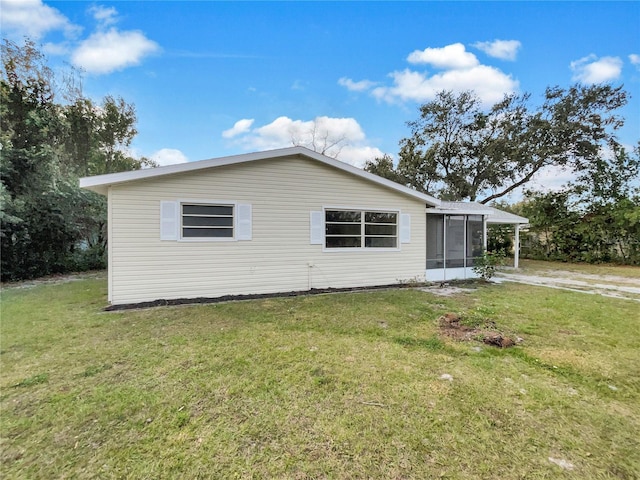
{"x":316,"y":222}
{"x":244,"y":222}
{"x":405,"y":228}
{"x":169,"y":220}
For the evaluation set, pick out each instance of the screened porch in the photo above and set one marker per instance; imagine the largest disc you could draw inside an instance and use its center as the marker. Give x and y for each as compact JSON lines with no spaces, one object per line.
{"x":457,"y":237}
{"x":454,"y":242}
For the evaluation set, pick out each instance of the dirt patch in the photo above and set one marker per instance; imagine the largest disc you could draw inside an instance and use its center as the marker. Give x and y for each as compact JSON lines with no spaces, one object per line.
{"x":447,"y":290}
{"x":54,"y":279}
{"x":454,"y":326}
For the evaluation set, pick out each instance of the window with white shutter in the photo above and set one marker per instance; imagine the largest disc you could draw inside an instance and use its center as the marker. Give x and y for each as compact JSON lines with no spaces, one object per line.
{"x":205,"y":221}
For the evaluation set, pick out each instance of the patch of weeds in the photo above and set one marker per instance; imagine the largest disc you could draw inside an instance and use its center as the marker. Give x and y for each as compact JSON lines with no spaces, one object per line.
{"x":432,"y":343}
{"x":35,"y":380}
{"x":92,"y":370}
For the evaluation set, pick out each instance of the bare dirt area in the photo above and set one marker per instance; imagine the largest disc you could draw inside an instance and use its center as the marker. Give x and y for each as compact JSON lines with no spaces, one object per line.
{"x":605,"y":285}
{"x":54,"y":279}
{"x":454,"y":326}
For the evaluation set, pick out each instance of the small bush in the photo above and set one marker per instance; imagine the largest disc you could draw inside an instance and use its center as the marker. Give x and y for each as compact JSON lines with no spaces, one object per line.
{"x":486,"y":265}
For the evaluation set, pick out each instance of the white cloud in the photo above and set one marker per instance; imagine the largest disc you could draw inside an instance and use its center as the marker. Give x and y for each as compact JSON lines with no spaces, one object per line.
{"x":634,"y":58}
{"x":590,"y":69}
{"x":241,"y":126}
{"x":452,"y":56}
{"x":461,"y":71}
{"x":356,"y":86}
{"x":359,"y":155}
{"x":102,"y":52}
{"x":168,"y":156}
{"x":341,"y":138}
{"x":105,"y":52}
{"x":502,"y":49}
{"x":489,"y":83}
{"x":33,"y":19}
{"x":104,"y":15}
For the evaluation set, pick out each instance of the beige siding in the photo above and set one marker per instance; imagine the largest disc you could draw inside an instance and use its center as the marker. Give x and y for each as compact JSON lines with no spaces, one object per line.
{"x":279,"y":258}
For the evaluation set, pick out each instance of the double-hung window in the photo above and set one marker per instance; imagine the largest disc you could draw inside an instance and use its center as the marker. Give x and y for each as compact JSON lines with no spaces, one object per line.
{"x":361,"y":229}
{"x":207,"y":221}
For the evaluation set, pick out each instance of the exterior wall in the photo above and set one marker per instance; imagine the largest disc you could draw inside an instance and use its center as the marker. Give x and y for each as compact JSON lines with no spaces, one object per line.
{"x":279,"y":258}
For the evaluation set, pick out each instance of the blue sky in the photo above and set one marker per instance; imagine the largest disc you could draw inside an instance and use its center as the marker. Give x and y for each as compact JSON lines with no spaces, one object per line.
{"x":211,"y":79}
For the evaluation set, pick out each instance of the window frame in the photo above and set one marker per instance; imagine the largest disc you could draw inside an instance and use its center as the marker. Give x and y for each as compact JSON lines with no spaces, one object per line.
{"x":208,"y":203}
{"x":363,"y":223}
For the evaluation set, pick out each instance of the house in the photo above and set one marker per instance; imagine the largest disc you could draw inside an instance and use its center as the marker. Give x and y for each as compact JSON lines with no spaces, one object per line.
{"x":276,"y":221}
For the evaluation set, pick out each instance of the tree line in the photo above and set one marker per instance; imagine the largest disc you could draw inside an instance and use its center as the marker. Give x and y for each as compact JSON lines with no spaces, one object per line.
{"x":51,"y":135}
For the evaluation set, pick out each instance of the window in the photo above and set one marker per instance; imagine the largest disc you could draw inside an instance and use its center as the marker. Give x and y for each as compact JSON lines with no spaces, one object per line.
{"x":207,"y":221}
{"x":361,"y":229}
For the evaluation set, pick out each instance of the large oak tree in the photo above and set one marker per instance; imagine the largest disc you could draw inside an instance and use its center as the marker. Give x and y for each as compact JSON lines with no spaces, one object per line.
{"x":461,"y":150}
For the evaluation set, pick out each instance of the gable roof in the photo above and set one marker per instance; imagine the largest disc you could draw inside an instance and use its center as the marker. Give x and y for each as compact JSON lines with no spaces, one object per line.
{"x":494,"y":215}
{"x":101,"y":183}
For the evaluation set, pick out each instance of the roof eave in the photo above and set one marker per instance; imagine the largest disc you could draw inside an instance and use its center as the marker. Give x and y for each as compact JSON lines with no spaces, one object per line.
{"x":100,"y":183}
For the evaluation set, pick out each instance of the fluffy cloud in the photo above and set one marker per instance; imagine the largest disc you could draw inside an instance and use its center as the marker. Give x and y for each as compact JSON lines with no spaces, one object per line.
{"x":104,"y":51}
{"x":241,"y":126}
{"x":452,"y":56}
{"x":634,"y":59}
{"x":111,"y":50}
{"x":502,"y":49}
{"x":168,"y":156}
{"x":461,"y":71}
{"x":33,"y":19}
{"x":489,"y":83}
{"x":341,"y":138}
{"x":593,"y":70}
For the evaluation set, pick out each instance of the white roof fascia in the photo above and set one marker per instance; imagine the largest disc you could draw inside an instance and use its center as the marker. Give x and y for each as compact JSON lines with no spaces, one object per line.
{"x":458,"y":211}
{"x":494,"y":215}
{"x":506,"y":217}
{"x":461,"y":208}
{"x":100,"y":183}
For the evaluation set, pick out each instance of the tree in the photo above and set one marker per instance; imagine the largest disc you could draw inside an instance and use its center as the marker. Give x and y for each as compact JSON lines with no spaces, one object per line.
{"x":459,"y":150}
{"x":383,"y":167}
{"x":49,"y":225}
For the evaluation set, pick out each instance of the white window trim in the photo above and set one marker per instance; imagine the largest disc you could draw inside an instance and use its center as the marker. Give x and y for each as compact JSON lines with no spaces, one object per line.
{"x":190,"y":201}
{"x":362,"y":248}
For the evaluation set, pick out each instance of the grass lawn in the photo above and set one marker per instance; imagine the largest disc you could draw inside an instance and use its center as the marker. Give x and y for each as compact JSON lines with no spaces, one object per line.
{"x":332,"y":386}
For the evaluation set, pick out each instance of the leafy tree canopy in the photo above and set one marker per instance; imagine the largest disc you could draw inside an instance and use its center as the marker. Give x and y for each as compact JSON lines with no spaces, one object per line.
{"x":50,"y":136}
{"x":459,"y":150}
